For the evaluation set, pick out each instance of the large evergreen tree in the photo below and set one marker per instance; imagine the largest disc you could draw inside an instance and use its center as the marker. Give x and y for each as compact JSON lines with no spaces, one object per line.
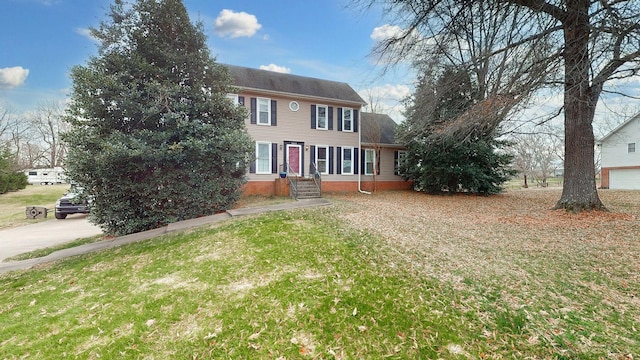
{"x":471,"y":161}
{"x":153,"y":137}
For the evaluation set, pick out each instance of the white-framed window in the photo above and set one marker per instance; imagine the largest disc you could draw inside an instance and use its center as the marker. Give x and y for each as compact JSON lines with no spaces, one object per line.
{"x":322,"y":117}
{"x":369,"y":162}
{"x":399,"y":160}
{"x":631,"y":148}
{"x":263,"y":157}
{"x":322,"y":159}
{"x":233,"y":98}
{"x":264,"y":111}
{"x":347,"y":160}
{"x":347,"y":119}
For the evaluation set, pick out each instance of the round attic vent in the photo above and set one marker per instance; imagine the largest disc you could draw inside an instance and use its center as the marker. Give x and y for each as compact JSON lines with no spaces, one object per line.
{"x":294,"y":106}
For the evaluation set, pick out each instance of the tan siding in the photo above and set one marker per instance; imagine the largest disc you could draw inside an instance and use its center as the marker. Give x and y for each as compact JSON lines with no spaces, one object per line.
{"x":386,"y":167}
{"x":295,"y":126}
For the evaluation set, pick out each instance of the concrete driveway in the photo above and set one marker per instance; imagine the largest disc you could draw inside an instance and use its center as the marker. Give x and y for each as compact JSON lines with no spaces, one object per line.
{"x":45,"y":234}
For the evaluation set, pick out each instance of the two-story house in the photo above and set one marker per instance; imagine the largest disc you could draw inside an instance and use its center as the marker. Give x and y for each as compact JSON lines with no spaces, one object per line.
{"x":303,"y":126}
{"x":620,"y":156}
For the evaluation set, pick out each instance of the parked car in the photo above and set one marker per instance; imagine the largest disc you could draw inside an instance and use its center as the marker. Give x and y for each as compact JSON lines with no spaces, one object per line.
{"x":73,"y":202}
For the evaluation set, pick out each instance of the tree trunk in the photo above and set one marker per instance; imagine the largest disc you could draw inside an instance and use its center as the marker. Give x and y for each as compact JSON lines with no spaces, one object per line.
{"x":579,"y":191}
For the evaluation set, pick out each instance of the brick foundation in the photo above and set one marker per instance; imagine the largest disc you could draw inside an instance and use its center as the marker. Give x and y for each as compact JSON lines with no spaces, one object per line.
{"x":280,"y":187}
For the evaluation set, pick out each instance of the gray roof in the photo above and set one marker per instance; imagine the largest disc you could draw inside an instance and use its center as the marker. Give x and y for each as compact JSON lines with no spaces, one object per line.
{"x":272,"y":81}
{"x":377,"y":128}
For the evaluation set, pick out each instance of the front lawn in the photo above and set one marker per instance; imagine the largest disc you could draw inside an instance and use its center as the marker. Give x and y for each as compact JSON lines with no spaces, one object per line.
{"x":396,"y":275}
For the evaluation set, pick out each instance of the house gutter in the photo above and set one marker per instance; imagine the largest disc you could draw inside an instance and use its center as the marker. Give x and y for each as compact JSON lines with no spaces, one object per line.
{"x":360,"y":149}
{"x":353,"y":103}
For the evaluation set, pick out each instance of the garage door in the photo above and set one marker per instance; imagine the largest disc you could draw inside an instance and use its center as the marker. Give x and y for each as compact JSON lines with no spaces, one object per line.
{"x":624,"y":179}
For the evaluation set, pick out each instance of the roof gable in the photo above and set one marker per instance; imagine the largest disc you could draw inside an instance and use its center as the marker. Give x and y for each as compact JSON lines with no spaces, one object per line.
{"x":619,"y":127}
{"x":377,"y":128}
{"x":271,"y":81}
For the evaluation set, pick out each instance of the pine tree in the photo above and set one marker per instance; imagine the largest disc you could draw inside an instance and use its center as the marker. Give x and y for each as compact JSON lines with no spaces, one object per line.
{"x":153,"y":137}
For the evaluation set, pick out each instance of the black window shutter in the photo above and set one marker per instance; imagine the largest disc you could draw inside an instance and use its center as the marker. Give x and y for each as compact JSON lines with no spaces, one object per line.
{"x":252,"y":166}
{"x":330,"y":160}
{"x":313,"y":116}
{"x":396,"y":163}
{"x":330,"y":117}
{"x":339,"y":119}
{"x":377,"y":162}
{"x":274,"y":115}
{"x":254,"y":105}
{"x":355,"y":121}
{"x":355,"y":160}
{"x":274,"y":158}
{"x":312,"y":159}
{"x":338,"y":160}
{"x":241,"y":100}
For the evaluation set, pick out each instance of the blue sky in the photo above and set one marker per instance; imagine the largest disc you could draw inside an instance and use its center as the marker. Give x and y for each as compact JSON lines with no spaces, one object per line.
{"x":330,"y":39}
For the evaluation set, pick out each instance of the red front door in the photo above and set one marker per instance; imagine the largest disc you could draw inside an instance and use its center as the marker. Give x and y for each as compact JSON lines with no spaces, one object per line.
{"x":294,"y":157}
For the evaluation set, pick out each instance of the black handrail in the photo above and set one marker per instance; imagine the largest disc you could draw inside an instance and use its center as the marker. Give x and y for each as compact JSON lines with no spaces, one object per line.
{"x":317,"y":176}
{"x":293,"y":181}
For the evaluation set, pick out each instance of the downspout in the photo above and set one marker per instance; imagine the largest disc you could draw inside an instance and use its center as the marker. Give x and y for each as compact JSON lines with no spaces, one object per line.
{"x":360,"y":149}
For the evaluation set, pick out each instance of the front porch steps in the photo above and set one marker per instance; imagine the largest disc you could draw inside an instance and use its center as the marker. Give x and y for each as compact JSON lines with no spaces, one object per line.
{"x":307,"y":189}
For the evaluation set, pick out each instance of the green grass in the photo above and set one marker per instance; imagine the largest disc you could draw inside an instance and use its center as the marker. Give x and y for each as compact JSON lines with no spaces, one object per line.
{"x":13,"y":204}
{"x":275,"y":286}
{"x":312,"y":284}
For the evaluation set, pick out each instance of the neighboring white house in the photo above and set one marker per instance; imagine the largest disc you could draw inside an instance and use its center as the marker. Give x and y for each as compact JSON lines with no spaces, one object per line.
{"x":620,"y":156}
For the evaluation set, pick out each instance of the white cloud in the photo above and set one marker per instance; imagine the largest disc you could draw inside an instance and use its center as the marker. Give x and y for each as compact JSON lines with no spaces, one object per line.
{"x":396,"y":53}
{"x":13,"y":76}
{"x":386,"y":99}
{"x":86,"y":33}
{"x":386,"y":93}
{"x":385,"y":32}
{"x":276,"y":68}
{"x":236,"y":24}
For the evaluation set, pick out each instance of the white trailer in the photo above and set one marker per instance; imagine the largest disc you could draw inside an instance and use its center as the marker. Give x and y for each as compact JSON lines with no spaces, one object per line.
{"x":46,"y":176}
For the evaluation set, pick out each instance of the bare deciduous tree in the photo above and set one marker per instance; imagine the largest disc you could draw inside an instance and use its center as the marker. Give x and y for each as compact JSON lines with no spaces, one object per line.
{"x":536,"y":156}
{"x":594,"y":41}
{"x":47,"y":124}
{"x":7,"y":123}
